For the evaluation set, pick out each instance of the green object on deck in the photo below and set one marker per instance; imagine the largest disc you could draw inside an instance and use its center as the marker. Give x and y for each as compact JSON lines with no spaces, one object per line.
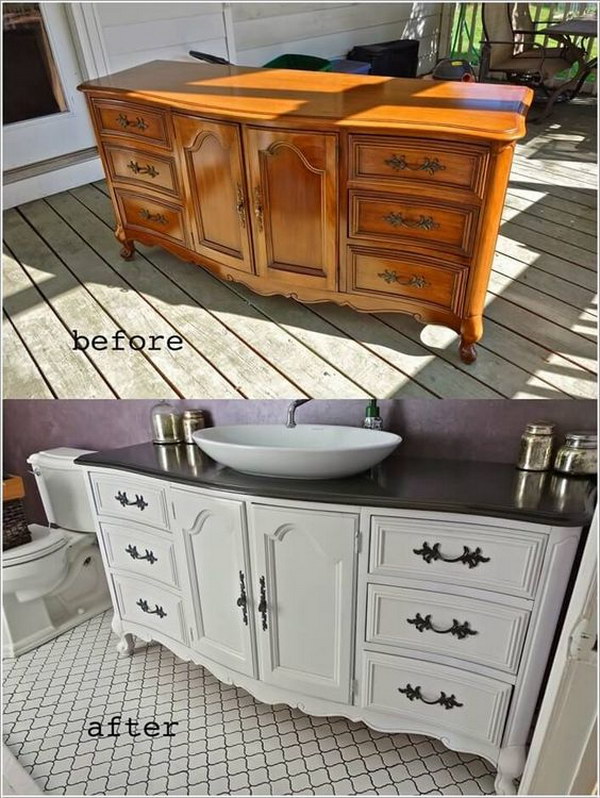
{"x":311,"y":63}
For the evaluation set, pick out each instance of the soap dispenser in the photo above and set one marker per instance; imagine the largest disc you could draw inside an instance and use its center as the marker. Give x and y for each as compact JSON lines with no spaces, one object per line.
{"x":372,"y":418}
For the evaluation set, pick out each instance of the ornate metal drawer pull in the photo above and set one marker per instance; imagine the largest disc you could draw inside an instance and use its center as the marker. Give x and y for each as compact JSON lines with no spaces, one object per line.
{"x":149,"y":170}
{"x":138,"y":122}
{"x":262,"y":604}
{"x":153,"y":217}
{"x":460,"y":630}
{"x":258,"y":207}
{"x":468,"y":557}
{"x":431,"y":165}
{"x":240,"y":205}
{"x":415,"y":280}
{"x":243,"y":599}
{"x":121,"y":497}
{"x":399,"y":220}
{"x":135,"y":555}
{"x":145,"y":607}
{"x":414,"y":694}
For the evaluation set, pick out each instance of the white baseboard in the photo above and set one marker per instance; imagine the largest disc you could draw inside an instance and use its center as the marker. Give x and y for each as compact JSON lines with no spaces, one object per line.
{"x":51,"y":182}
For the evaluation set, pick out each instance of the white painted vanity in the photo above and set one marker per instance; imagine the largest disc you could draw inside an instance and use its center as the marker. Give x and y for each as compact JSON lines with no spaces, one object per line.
{"x":437,"y":623}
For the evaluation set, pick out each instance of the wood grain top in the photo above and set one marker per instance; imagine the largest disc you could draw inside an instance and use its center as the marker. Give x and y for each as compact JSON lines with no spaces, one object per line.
{"x":354,"y":101}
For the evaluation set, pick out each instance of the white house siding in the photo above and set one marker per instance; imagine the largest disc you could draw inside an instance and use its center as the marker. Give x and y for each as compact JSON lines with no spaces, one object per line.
{"x":137,"y":32}
{"x":265,"y":30}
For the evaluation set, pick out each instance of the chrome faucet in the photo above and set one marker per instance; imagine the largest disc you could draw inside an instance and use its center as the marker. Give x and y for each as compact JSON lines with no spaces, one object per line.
{"x":291,"y":412}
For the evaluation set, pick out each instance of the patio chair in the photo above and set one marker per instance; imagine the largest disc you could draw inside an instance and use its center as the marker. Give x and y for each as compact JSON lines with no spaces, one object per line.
{"x":511,"y":50}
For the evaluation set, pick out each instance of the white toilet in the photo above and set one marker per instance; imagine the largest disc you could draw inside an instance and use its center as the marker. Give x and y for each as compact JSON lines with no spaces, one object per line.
{"x":57,"y":580}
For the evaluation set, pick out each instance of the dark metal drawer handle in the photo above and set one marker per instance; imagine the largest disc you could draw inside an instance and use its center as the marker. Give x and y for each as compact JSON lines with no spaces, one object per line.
{"x":121,"y":497}
{"x":414,"y":694}
{"x":468,"y":557}
{"x":138,"y":122}
{"x":135,"y":555}
{"x":399,"y":220}
{"x":243,"y":599}
{"x":431,"y":165}
{"x":262,"y":604}
{"x":149,"y":169}
{"x":415,"y":280}
{"x":460,"y":630}
{"x":145,"y":607}
{"x":153,"y":217}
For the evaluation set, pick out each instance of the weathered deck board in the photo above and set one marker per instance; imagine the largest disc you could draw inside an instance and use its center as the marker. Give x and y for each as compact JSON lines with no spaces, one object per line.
{"x":71,"y":374}
{"x":64,"y":269}
{"x":22,"y":377}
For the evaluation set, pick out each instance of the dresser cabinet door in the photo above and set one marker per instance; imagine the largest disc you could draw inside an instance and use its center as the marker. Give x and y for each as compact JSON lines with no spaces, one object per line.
{"x":293,"y":182}
{"x":214,"y":177}
{"x":303,"y":566}
{"x":214,"y":536}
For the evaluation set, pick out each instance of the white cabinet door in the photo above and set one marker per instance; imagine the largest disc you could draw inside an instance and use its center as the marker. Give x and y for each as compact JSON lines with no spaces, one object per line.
{"x":303,"y":571}
{"x":215,"y":542}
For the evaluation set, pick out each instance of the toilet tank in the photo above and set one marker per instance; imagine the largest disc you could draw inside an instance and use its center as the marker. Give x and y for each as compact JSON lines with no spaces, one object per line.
{"x":62,"y":487}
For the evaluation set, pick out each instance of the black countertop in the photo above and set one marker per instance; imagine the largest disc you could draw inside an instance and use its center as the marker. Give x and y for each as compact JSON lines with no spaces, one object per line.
{"x":455,"y":486}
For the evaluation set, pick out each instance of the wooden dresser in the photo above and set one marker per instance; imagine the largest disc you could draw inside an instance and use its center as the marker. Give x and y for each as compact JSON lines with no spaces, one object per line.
{"x":380,"y":193}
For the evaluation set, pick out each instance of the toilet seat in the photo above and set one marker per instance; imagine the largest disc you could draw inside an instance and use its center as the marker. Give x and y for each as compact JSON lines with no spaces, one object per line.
{"x":39,"y":547}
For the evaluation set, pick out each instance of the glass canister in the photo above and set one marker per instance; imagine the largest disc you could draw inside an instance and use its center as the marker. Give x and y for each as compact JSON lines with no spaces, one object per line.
{"x":192,"y":421}
{"x":578,"y":455}
{"x":166,"y":423}
{"x":535,"y":451}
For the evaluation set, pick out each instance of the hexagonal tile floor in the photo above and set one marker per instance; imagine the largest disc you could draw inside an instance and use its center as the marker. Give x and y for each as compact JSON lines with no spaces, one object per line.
{"x":223,"y":741}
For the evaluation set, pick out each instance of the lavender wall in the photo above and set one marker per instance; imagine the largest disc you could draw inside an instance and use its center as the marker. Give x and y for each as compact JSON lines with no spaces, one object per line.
{"x":451,"y":429}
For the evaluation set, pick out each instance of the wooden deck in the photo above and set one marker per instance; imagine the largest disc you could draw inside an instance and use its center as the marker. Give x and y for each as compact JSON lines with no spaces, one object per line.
{"x":62,"y":271}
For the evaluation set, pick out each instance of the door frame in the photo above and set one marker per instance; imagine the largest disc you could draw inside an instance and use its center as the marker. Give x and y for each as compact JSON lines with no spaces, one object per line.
{"x":562,"y":752}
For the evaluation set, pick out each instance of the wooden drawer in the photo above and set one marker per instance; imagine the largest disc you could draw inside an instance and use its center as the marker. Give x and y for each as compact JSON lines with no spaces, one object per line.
{"x":140,"y":168}
{"x":145,"y":213}
{"x":470,"y":629}
{"x":427,"y":222}
{"x":471,"y":554}
{"x":123,"y":496}
{"x":418,"y":278}
{"x":151,"y":605}
{"x":139,"y":551}
{"x":422,"y":162}
{"x":432,"y":693}
{"x":114,"y":118}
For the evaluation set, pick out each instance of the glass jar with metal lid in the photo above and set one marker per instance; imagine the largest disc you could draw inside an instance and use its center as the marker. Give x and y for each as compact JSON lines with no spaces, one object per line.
{"x":535,"y":451}
{"x":578,"y":455}
{"x":166,"y":424}
{"x":192,"y":421}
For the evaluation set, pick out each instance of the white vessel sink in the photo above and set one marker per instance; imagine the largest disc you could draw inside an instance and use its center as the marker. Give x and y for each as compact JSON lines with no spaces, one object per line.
{"x":307,"y":451}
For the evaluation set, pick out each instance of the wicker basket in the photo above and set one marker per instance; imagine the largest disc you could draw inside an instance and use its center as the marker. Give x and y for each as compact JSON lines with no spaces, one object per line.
{"x":14,"y":526}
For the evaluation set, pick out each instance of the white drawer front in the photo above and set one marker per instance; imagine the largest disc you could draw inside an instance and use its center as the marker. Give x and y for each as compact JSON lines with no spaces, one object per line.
{"x":483,"y":702}
{"x":474,"y":555}
{"x":138,"y":550}
{"x":121,"y":495}
{"x":474,"y":630}
{"x":151,"y":605}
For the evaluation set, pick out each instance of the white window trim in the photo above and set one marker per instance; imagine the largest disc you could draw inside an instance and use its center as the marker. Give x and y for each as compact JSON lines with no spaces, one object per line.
{"x":88,"y":39}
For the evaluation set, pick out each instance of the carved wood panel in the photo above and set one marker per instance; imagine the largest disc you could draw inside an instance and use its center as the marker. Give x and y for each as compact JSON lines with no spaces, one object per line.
{"x":293,"y":182}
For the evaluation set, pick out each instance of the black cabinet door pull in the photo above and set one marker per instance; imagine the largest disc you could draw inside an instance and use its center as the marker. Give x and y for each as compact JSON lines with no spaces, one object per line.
{"x":135,"y":555}
{"x":460,"y":630}
{"x":243,"y":599}
{"x":414,"y":694}
{"x":145,"y":607}
{"x":262,"y":604}
{"x":468,"y":557}
{"x":121,"y":497}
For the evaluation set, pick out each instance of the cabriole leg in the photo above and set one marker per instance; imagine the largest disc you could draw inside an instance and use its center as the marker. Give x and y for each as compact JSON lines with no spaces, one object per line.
{"x":128,"y":247}
{"x":471,"y":331}
{"x":125,"y":645}
{"x":511,"y":762}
